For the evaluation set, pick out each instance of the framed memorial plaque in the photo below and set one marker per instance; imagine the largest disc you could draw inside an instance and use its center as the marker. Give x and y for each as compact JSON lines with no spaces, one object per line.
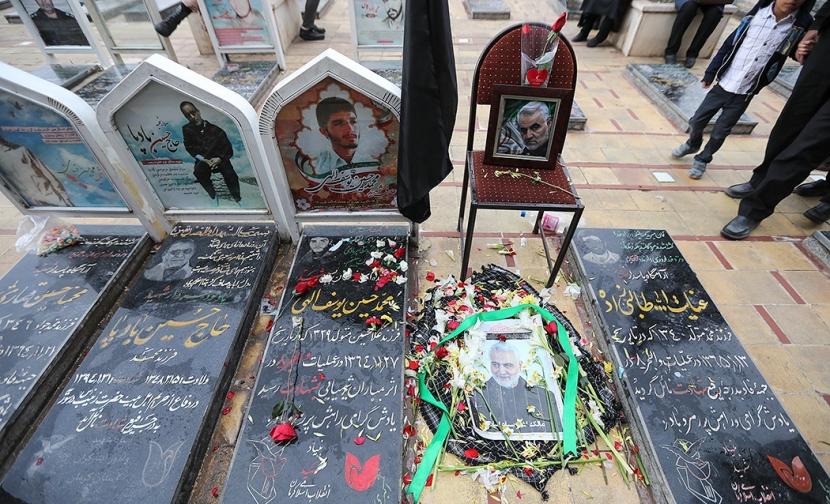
{"x":527,"y":126}
{"x":242,"y":26}
{"x":377,"y":23}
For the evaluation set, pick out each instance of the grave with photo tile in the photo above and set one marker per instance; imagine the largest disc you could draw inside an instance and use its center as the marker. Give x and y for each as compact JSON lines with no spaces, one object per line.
{"x":711,"y":426}
{"x":251,"y":79}
{"x":136,"y":416}
{"x":336,"y":352}
{"x":49,"y":308}
{"x":678,"y":92}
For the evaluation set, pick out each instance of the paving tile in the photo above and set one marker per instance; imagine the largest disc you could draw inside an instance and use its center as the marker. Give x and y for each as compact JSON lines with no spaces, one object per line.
{"x":810,"y":414}
{"x":721,"y":288}
{"x":760,"y":288}
{"x":782,"y":374}
{"x":744,"y":255}
{"x":813,"y":286}
{"x":801,"y":324}
{"x":748,"y":325}
{"x":812,"y":361}
{"x":784,"y":256}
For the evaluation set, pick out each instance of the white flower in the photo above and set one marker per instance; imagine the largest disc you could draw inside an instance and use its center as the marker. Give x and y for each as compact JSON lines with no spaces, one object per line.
{"x":347,"y":274}
{"x":403,"y":266}
{"x":369,"y":261}
{"x":573,"y":290}
{"x":531,"y":409}
{"x":519,"y":423}
{"x":457,"y":379}
{"x":488,"y":477}
{"x":377,"y":254}
{"x":596,"y":413}
{"x":327,"y":278}
{"x":506,"y":430}
{"x":303,"y":204}
{"x":363,"y":278}
{"x":389,"y":258}
{"x":400,"y":280}
{"x":380,"y":243}
{"x":485,"y":425}
{"x":393,"y":243}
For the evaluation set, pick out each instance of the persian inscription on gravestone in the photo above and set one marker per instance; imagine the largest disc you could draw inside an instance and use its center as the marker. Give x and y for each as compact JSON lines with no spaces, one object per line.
{"x":346,"y":378}
{"x":136,"y":416}
{"x":46,"y":303}
{"x":716,"y":428}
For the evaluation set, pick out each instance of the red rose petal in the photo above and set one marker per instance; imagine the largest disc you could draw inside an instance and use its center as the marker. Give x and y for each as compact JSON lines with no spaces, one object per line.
{"x":39,"y":461}
{"x":528,"y":471}
{"x":359,"y":440}
{"x":226,"y":410}
{"x":430,"y":276}
{"x":230,"y":395}
{"x":269,"y":325}
{"x":214,"y":492}
{"x":471,"y":453}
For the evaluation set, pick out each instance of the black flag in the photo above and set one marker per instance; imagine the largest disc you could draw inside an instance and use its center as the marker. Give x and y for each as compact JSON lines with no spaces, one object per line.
{"x":429,"y":100}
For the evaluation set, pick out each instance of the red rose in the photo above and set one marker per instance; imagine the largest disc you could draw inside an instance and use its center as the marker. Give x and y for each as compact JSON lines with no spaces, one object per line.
{"x":283,"y":433}
{"x":525,"y":29}
{"x":312,"y":282}
{"x":461,"y":406}
{"x":413,"y":365}
{"x":471,"y":453}
{"x":441,"y":352}
{"x":560,"y":22}
{"x":551,"y":328}
{"x":502,"y":337}
{"x":452,"y":325}
{"x":430,"y":276}
{"x":400,"y":253}
{"x":356,"y":277}
{"x":300,"y":289}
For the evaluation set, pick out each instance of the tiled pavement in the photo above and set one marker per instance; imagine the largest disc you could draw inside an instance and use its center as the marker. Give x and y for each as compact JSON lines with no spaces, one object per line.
{"x":773,"y":294}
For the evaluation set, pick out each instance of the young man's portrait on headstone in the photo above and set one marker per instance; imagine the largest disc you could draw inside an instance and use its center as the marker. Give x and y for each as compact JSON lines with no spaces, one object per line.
{"x":192,"y":154}
{"x":339,"y":149}
{"x":595,"y":250}
{"x":44,"y":160}
{"x":526,"y":127}
{"x":55,"y":22}
{"x":239,"y":22}
{"x":379,"y":22}
{"x":520,"y":398}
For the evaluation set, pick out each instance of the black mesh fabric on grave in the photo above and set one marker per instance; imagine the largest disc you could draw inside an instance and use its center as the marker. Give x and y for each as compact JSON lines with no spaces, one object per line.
{"x":491,"y":279}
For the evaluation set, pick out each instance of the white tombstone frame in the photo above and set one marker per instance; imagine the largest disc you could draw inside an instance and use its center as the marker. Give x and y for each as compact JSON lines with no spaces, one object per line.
{"x":159,"y":70}
{"x":357,"y":47}
{"x":81,"y":116}
{"x":223,"y":51}
{"x":329,"y":63}
{"x":116,"y":50}
{"x":49,"y":50}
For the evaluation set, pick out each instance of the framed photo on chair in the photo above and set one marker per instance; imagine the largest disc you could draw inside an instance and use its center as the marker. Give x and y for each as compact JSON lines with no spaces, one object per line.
{"x":527,"y":126}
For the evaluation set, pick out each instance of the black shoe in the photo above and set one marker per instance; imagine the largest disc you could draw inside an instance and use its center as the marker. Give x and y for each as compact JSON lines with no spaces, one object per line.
{"x":318,"y":29}
{"x":690,"y":62}
{"x":739,"y":228}
{"x":739,"y":191}
{"x":819,"y":213}
{"x":168,"y":25}
{"x":671,"y":59}
{"x":594,"y":42}
{"x":810,"y":189}
{"x":581,"y":36}
{"x":311,"y":34}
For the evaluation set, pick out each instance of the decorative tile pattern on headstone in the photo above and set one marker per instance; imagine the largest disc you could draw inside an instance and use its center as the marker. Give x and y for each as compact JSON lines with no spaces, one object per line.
{"x":709,"y":418}
{"x":678,"y":92}
{"x":134,"y":419}
{"x":251,"y":79}
{"x":49,"y":307}
{"x":345,"y":377}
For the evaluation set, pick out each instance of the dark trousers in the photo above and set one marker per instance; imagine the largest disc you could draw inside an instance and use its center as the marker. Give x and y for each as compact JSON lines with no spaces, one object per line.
{"x":590,"y":20}
{"x":310,"y":13}
{"x":731,"y":105}
{"x":685,"y":15}
{"x":202,"y":172}
{"x":800,"y":139}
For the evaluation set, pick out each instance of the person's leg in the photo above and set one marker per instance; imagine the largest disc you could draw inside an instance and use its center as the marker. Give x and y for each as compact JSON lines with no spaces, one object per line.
{"x":168,"y":25}
{"x":587,"y":22}
{"x":602,"y":34}
{"x":731,"y":112}
{"x":231,"y":180}
{"x":711,"y":18}
{"x":308,"y":31}
{"x":714,"y":100}
{"x":684,"y":18}
{"x":202,"y":173}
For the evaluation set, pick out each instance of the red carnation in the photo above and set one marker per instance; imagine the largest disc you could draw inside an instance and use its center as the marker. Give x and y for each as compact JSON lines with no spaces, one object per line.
{"x":283,"y":433}
{"x":312,"y":282}
{"x":452,"y":325}
{"x":400,"y":253}
{"x":441,"y":352}
{"x":471,"y":453}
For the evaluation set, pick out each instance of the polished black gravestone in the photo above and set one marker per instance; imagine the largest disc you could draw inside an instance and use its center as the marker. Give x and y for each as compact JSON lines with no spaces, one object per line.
{"x":94,"y":91}
{"x":134,"y":420}
{"x":486,"y":9}
{"x":785,"y":80}
{"x":67,"y":76}
{"x":251,"y":79}
{"x":714,"y":429}
{"x":49,"y":308}
{"x":389,"y":70}
{"x":345,"y":378}
{"x":678,"y":93}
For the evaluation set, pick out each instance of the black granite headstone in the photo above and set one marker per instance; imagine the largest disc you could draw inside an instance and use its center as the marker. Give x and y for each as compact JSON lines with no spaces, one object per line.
{"x":94,"y":91}
{"x":133,"y":421}
{"x":785,"y":80}
{"x":678,"y":93}
{"x":67,"y":76}
{"x":709,"y":418}
{"x":49,"y":307}
{"x":346,"y":378}
{"x":251,"y":79}
{"x":486,"y":9}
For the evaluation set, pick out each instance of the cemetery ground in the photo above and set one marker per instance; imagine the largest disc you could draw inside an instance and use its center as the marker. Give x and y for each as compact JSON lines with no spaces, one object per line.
{"x":771,"y":291}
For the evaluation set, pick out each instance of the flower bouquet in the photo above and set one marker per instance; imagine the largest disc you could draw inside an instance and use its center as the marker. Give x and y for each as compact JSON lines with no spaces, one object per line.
{"x":537,"y":57}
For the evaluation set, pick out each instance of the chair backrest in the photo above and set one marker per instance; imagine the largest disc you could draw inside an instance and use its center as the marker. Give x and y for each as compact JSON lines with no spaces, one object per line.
{"x":501,"y":63}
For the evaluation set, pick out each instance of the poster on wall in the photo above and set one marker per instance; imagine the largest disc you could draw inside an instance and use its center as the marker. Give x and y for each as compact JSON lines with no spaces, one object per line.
{"x":44,"y":160}
{"x":339,"y":149}
{"x":55,"y":22}
{"x":239,"y":22}
{"x":192,"y":154}
{"x":379,"y":22}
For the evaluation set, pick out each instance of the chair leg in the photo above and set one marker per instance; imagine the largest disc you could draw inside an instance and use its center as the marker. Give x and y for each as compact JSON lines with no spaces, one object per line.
{"x":463,"y":197}
{"x":537,"y":222}
{"x":566,"y":242}
{"x":467,"y":243}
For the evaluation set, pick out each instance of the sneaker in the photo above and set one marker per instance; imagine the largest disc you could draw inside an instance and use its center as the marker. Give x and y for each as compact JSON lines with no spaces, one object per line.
{"x":311,"y":34}
{"x":683,"y":150}
{"x":214,"y":201}
{"x":698,"y":168}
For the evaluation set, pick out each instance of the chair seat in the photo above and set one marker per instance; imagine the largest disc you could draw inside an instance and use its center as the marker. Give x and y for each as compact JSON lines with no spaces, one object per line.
{"x":494,"y":185}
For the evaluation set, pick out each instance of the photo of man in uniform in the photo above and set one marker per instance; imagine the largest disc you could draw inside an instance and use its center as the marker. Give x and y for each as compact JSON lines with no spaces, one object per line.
{"x":506,"y":399}
{"x":394,"y":14}
{"x":56,"y":27}
{"x":175,"y":263}
{"x":210,"y":147}
{"x":597,"y":253}
{"x":337,"y":122}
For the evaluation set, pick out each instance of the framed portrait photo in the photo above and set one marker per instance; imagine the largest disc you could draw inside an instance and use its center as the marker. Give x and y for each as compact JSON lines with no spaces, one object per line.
{"x":527,"y":126}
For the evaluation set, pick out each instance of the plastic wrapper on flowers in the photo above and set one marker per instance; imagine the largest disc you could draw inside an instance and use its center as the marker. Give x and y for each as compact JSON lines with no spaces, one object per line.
{"x":447,"y":370}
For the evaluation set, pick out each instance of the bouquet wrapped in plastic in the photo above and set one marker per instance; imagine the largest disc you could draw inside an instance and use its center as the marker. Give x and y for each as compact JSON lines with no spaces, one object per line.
{"x":538,"y":55}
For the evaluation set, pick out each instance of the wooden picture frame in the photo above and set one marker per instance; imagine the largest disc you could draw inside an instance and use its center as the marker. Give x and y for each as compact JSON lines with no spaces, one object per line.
{"x":514,"y":108}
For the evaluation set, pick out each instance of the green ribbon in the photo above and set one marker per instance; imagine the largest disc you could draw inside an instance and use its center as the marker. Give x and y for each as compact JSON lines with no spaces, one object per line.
{"x":568,"y":415}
